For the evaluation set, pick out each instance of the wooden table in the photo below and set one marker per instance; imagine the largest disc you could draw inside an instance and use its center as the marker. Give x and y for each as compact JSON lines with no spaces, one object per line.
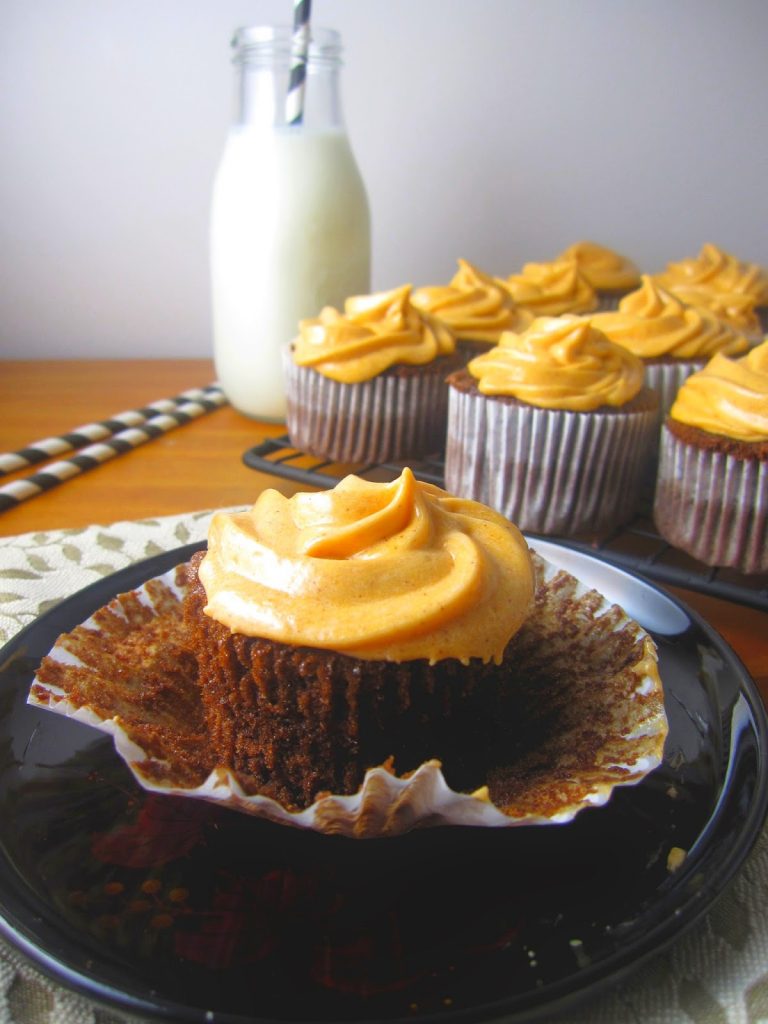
{"x":197,"y":466}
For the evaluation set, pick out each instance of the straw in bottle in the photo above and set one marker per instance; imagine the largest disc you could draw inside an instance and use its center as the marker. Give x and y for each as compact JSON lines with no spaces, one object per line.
{"x":294,"y":108}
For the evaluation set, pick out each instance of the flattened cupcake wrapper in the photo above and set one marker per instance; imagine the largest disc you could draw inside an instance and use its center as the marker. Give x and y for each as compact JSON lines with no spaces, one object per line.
{"x":391,"y":416}
{"x":609,"y":729}
{"x":712,"y":505}
{"x":549,"y":471}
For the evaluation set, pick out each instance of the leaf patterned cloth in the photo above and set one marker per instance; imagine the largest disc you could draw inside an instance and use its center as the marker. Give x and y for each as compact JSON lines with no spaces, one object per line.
{"x":716,"y":973}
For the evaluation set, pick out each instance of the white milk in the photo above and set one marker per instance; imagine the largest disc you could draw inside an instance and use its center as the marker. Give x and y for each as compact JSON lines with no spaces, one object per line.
{"x":290,"y":234}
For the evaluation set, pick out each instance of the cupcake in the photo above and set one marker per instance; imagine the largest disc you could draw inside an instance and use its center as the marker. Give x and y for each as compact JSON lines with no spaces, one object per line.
{"x":475,"y":306}
{"x":368,"y":384}
{"x":733,"y":309}
{"x":551,"y":289}
{"x":712,"y":489}
{"x":418,"y":590}
{"x":714,"y":270}
{"x":672,"y":339}
{"x":339,"y":629}
{"x":611,"y":275}
{"x":553,"y":428}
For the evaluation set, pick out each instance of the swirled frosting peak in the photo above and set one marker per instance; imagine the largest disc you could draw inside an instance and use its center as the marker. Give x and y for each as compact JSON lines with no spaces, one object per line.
{"x":549,"y":289}
{"x":605,"y":269}
{"x":386,"y":571}
{"x":718,"y":270}
{"x":653,"y":324}
{"x":474,"y":305}
{"x":373,"y":333}
{"x":728,"y":397}
{"x":560,"y":363}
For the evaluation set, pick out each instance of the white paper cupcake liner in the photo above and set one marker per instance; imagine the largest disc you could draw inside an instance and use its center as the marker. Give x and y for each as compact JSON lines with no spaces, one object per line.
{"x":611,"y":733}
{"x":393,"y":416}
{"x":712,"y":505}
{"x":666,"y":380}
{"x":549,"y":471}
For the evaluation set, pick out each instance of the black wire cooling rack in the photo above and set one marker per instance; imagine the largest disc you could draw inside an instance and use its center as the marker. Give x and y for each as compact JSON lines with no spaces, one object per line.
{"x":636,"y":546}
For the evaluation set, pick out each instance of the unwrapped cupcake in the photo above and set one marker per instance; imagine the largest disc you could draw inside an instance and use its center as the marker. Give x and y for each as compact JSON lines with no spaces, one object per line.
{"x":368,"y":384}
{"x":475,"y":306}
{"x":364,"y":661}
{"x":553,"y":428}
{"x":672,"y":339}
{"x":712,"y":489}
{"x":611,"y":275}
{"x":714,"y":270}
{"x":552,"y":289}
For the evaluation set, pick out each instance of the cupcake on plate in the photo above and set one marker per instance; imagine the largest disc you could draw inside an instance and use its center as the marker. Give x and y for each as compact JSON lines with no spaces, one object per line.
{"x":672,"y":339}
{"x":368,"y":384}
{"x":712,"y":489}
{"x":552,"y":289}
{"x":611,"y":275}
{"x":715,"y":270}
{"x":553,"y":428}
{"x":336,"y":630}
{"x":475,"y":306}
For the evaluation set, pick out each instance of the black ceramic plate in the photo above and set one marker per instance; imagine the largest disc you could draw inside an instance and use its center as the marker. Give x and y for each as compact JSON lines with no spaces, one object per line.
{"x":174,"y":908}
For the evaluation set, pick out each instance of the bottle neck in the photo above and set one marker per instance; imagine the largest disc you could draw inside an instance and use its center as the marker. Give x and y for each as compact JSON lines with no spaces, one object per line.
{"x":263,"y":58}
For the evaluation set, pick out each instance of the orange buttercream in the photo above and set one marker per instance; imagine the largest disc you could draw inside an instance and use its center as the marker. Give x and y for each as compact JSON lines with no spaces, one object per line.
{"x":728,"y":397}
{"x":731,"y":308}
{"x":713,"y":268}
{"x":560,"y":363}
{"x":386,"y":571}
{"x":653,"y":324}
{"x":474,"y":305}
{"x":605,"y":269}
{"x":549,"y":289}
{"x":373,"y":333}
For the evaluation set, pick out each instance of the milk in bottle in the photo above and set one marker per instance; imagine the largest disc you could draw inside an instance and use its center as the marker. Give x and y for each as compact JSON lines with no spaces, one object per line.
{"x":290,"y":226}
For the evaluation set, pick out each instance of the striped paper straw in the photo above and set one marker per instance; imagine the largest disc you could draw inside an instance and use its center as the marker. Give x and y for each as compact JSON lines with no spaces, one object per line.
{"x":294,"y":106}
{"x":40,"y":451}
{"x":14,"y":493}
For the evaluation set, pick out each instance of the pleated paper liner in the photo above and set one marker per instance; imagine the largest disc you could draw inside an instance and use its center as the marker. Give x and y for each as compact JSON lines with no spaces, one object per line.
{"x":588,"y":673}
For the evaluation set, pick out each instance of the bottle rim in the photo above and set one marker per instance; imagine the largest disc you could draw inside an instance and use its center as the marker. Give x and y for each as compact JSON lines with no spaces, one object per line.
{"x":260,"y":43}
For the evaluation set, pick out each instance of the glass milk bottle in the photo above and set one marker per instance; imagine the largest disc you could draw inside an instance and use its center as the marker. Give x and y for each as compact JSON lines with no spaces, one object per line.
{"x":290,"y":228}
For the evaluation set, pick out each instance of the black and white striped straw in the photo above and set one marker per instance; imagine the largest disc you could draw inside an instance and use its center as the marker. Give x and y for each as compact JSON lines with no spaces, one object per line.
{"x":294,"y":105}
{"x":14,"y":493}
{"x":48,"y":447}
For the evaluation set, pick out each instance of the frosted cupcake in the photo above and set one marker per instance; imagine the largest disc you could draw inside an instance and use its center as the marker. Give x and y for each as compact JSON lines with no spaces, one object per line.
{"x":551,"y":289}
{"x":672,"y":339}
{"x":715,"y":270}
{"x":335,"y":630}
{"x":368,"y":384}
{"x":712,"y":489}
{"x":611,"y":275}
{"x":475,"y":306}
{"x":553,"y":428}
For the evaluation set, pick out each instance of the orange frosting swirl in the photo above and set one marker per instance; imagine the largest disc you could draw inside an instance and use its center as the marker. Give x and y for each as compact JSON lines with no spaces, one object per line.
{"x":560,"y":363}
{"x":550,"y":289}
{"x":386,"y":571}
{"x":653,"y":324}
{"x":718,"y":270}
{"x":731,"y":308}
{"x":728,"y":397}
{"x":605,"y":269}
{"x":373,"y":333}
{"x":474,"y":305}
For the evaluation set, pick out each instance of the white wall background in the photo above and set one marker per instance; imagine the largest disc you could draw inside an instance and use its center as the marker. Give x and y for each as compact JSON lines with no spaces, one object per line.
{"x":495,"y":130}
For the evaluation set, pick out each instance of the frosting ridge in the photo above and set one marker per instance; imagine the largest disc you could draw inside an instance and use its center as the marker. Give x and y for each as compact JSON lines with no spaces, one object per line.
{"x":474,"y":305}
{"x":560,"y":363}
{"x":396,"y":571}
{"x":550,"y":289}
{"x":728,"y":397}
{"x":605,"y":269}
{"x":654,"y":324}
{"x":373,"y":333}
{"x":717,"y":269}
